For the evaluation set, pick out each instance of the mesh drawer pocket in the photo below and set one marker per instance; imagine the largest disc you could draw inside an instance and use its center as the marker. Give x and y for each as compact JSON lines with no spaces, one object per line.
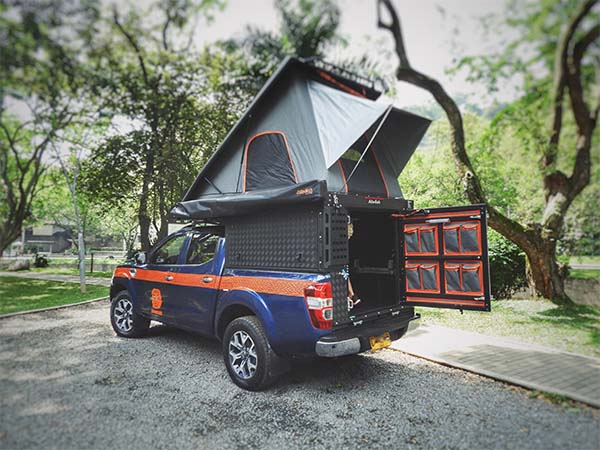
{"x":411,"y":239}
{"x":429,"y":278}
{"x":469,"y":238}
{"x":422,"y":277}
{"x":428,"y":241}
{"x":471,"y":278}
{"x":420,"y":240}
{"x":451,"y":232}
{"x":413,"y":280}
{"x":464,"y":278}
{"x":462,"y":238}
{"x":452,"y":275}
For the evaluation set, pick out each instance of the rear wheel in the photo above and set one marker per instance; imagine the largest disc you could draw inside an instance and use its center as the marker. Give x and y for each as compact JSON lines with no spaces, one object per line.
{"x":248,"y":356}
{"x":123,"y":318}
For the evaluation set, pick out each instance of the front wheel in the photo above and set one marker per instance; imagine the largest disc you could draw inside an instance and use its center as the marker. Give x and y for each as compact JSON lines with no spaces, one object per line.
{"x":248,"y":356}
{"x":123,"y":318}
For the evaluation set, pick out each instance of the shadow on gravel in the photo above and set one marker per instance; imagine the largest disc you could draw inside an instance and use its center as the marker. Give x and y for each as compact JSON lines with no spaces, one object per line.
{"x":319,"y":373}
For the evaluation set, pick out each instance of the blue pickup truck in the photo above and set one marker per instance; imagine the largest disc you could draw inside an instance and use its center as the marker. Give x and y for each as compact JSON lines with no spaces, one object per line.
{"x":264,"y":318}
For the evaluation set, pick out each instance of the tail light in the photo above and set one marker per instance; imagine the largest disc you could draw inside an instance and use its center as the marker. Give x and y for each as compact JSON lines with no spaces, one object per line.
{"x":319,"y":301}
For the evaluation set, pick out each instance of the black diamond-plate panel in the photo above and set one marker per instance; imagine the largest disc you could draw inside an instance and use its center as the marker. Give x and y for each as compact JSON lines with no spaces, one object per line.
{"x":278,"y":239}
{"x":339,"y":238}
{"x":339,"y":286}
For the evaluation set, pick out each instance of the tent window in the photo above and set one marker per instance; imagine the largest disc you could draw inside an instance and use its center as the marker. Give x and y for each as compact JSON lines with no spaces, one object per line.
{"x":367,"y":179}
{"x":268,"y":162}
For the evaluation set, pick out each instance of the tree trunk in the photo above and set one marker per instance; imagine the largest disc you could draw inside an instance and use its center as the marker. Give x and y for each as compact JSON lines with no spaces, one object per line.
{"x":81,"y":259}
{"x":545,"y":276}
{"x":144,"y":222}
{"x":143,"y":214}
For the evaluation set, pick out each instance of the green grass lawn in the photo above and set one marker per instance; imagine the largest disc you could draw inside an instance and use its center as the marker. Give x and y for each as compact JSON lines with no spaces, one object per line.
{"x":535,"y":321}
{"x":69,"y":271}
{"x":586,"y":274}
{"x":22,"y":294}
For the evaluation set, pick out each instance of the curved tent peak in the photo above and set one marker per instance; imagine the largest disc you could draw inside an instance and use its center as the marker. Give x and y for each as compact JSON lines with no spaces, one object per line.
{"x":341,"y":118}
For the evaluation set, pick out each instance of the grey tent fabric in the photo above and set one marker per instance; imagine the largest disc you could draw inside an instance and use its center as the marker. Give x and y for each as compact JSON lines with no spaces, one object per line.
{"x":341,"y":118}
{"x":320,"y":118}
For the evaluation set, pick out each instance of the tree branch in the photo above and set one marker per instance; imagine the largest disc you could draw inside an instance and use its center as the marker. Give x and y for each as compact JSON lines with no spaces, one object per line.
{"x":133,"y":44}
{"x":471,"y":184}
{"x":394,"y":28}
{"x":580,"y":109}
{"x":560,"y":82}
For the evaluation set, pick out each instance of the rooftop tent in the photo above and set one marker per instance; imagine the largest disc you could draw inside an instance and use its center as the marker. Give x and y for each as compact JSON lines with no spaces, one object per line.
{"x":296,"y":136}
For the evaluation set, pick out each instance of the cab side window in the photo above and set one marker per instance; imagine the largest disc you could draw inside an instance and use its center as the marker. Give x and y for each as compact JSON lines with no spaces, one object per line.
{"x":202,"y":248}
{"x":168,"y":253}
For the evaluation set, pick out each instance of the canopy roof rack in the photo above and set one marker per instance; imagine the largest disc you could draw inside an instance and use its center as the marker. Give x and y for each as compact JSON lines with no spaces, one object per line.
{"x":375,"y":83}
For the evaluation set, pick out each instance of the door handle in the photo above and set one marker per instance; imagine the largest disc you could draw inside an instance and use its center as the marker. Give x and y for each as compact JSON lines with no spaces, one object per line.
{"x":169,"y":277}
{"x":207,"y":279}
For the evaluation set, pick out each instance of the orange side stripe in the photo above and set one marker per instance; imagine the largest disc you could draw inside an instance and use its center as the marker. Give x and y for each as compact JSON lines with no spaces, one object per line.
{"x":277,"y":286}
{"x":265,"y":285}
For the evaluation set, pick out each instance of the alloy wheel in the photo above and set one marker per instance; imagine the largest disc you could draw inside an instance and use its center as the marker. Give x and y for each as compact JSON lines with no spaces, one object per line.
{"x":242,"y":354}
{"x":124,"y":315}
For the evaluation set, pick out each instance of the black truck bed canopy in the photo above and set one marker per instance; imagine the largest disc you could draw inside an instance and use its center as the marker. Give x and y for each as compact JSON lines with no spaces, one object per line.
{"x":301,"y":138}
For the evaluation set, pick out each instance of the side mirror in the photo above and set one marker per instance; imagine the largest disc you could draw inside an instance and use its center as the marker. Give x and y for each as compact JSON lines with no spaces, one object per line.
{"x":140,"y":258}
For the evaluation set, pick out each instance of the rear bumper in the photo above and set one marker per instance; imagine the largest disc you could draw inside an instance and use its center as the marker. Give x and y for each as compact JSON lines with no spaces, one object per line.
{"x":348,"y":341}
{"x":338,"y":348}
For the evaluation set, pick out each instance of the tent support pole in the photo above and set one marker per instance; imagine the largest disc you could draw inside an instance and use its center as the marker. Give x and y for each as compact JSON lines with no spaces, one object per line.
{"x":213,"y":185}
{"x":385,"y":115}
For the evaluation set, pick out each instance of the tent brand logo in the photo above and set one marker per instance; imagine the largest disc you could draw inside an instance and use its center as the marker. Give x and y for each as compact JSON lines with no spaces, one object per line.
{"x":306,"y":191}
{"x":373,"y":200}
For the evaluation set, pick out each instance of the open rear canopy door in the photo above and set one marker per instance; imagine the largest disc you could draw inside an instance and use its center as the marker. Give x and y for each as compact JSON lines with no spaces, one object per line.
{"x":443,"y":258}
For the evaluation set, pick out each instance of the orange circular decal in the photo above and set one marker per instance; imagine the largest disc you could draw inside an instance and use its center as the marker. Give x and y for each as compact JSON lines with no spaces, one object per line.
{"x":156,"y":299}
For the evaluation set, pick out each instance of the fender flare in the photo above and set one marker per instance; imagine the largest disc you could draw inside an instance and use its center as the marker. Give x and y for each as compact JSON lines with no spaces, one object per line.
{"x":124,"y":284}
{"x":254,"y":302}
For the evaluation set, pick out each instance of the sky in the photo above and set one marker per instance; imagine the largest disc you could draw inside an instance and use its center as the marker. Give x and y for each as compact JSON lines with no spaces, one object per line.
{"x":436,"y":33}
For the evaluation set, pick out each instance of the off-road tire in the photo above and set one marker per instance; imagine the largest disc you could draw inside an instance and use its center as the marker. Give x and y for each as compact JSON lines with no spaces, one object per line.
{"x":135,"y":325}
{"x":266,"y":359}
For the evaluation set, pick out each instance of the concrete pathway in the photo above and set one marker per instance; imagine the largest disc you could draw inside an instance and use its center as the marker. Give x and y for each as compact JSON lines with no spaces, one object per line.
{"x":532,"y":366}
{"x":57,"y":277}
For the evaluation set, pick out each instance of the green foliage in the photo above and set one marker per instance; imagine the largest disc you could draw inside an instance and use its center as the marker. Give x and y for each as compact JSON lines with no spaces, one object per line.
{"x":507,"y":266}
{"x":42,"y":92}
{"x":171,"y":99}
{"x":429,"y":177}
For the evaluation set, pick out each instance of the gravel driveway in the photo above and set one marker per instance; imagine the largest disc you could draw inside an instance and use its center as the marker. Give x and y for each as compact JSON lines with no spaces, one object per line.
{"x":66,"y":381}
